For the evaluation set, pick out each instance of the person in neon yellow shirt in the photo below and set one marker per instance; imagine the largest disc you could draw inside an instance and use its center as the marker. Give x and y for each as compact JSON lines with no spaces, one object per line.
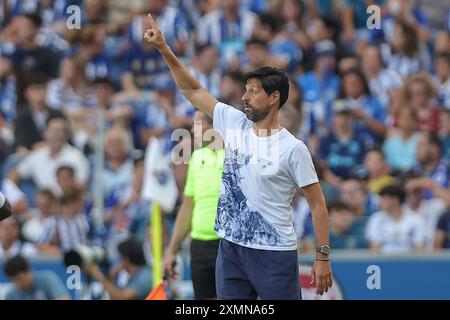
{"x":198,"y":211}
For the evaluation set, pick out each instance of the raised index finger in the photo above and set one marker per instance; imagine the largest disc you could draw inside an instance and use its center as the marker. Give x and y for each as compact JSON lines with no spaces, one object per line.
{"x":151,"y":20}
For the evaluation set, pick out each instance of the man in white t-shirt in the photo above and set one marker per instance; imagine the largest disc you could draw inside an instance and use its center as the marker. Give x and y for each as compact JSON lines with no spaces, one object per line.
{"x":395,"y":229}
{"x":264,"y":164}
{"x":41,"y":164}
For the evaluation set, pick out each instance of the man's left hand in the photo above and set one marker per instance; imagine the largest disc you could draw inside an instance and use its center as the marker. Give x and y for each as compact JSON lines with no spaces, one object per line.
{"x":321,"y":276}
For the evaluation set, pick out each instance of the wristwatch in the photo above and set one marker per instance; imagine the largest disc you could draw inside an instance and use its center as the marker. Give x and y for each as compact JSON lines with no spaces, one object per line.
{"x":323,"y":249}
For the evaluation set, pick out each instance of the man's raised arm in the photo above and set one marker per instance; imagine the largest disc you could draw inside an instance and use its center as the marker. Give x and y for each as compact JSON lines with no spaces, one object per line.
{"x":189,"y":86}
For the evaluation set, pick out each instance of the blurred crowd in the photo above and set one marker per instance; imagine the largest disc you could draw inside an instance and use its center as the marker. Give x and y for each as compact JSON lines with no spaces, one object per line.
{"x":372,"y":104}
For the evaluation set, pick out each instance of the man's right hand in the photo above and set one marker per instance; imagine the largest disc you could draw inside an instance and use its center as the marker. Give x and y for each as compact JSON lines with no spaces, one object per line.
{"x":169,"y":264}
{"x":154,"y":36}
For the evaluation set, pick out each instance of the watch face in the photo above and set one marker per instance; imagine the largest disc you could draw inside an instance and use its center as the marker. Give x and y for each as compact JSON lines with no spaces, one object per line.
{"x":324,"y":249}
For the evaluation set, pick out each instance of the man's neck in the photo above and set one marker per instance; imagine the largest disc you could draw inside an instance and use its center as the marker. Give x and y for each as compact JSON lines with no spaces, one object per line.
{"x":231,"y":14}
{"x":267,"y":127}
{"x":396,"y":213}
{"x":54,"y":151}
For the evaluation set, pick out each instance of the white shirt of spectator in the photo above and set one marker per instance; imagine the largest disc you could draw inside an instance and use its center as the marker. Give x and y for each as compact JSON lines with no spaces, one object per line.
{"x":386,"y":80}
{"x":12,"y":192}
{"x":25,"y":249}
{"x":41,"y":167}
{"x":396,"y":236}
{"x":430,"y":211}
{"x":260,"y":175}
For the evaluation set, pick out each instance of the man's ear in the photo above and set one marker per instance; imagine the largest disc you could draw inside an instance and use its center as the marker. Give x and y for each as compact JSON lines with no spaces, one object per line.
{"x":274,"y":97}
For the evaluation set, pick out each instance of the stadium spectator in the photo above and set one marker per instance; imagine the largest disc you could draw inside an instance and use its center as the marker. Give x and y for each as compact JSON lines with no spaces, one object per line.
{"x":341,"y":149}
{"x":385,"y":84}
{"x":67,"y":229}
{"x":232,"y":88}
{"x":430,"y":161}
{"x":40,"y":165}
{"x":227,"y":28}
{"x":442,"y":78}
{"x":420,"y":94}
{"x":133,"y":262}
{"x":395,"y":229}
{"x":401,"y":146}
{"x":379,"y":171}
{"x":442,"y":236}
{"x":369,"y":114}
{"x":33,"y":285}
{"x":319,"y":86}
{"x":29,"y":126}
{"x":342,"y":235}
{"x":11,"y":243}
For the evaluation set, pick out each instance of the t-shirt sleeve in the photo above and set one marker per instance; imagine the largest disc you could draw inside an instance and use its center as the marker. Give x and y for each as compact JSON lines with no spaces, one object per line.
{"x":227,"y":117}
{"x":25,"y":167}
{"x":141,"y":285}
{"x":55,"y":286}
{"x":302,"y":165}
{"x":372,"y":232}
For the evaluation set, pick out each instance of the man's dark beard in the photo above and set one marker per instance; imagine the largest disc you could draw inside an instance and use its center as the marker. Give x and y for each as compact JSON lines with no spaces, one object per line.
{"x":256,"y":115}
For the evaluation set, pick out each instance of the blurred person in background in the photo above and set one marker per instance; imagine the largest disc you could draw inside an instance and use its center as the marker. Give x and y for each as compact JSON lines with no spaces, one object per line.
{"x":133,"y":263}
{"x":258,"y":56}
{"x":29,"y":126}
{"x":395,"y":229}
{"x":286,"y":52}
{"x":205,"y":68}
{"x":442,"y":78}
{"x":228,"y":28}
{"x":342,"y":233}
{"x":11,"y":242}
{"x":198,"y":211}
{"x":429,"y":209}
{"x":40,"y":165}
{"x":442,"y":235}
{"x":46,"y":209}
{"x":232,"y":88}
{"x":445,"y":133}
{"x":400,"y":147}
{"x":320,"y":87}
{"x":369,"y":114}
{"x":70,"y":91}
{"x":402,"y":54}
{"x":420,"y":93}
{"x":33,"y":285}
{"x":379,"y":171}
{"x":341,"y":149}
{"x":35,"y":57}
{"x":67,"y":229}
{"x":430,"y":161}
{"x":385,"y":84}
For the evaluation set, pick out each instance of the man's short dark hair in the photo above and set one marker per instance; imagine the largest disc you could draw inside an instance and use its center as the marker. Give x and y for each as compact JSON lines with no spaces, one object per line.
{"x":35,"y":78}
{"x":70,"y":169}
{"x":236,"y":76}
{"x":339,"y":206}
{"x":443,"y":55}
{"x":15,"y":266}
{"x":132,"y":250}
{"x":34,"y":18}
{"x":48,"y":193}
{"x":271,"y":79}
{"x":268,"y":19}
{"x":256,"y":41}
{"x":435,"y":140}
{"x":57,"y":116}
{"x":394,"y":191}
{"x":103,"y":81}
{"x":200,"y":47}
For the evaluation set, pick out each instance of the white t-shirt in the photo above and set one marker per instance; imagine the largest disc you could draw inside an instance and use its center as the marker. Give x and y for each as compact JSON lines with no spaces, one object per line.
{"x":430,"y":211}
{"x":396,"y":236}
{"x":41,"y":167}
{"x":260,"y":175}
